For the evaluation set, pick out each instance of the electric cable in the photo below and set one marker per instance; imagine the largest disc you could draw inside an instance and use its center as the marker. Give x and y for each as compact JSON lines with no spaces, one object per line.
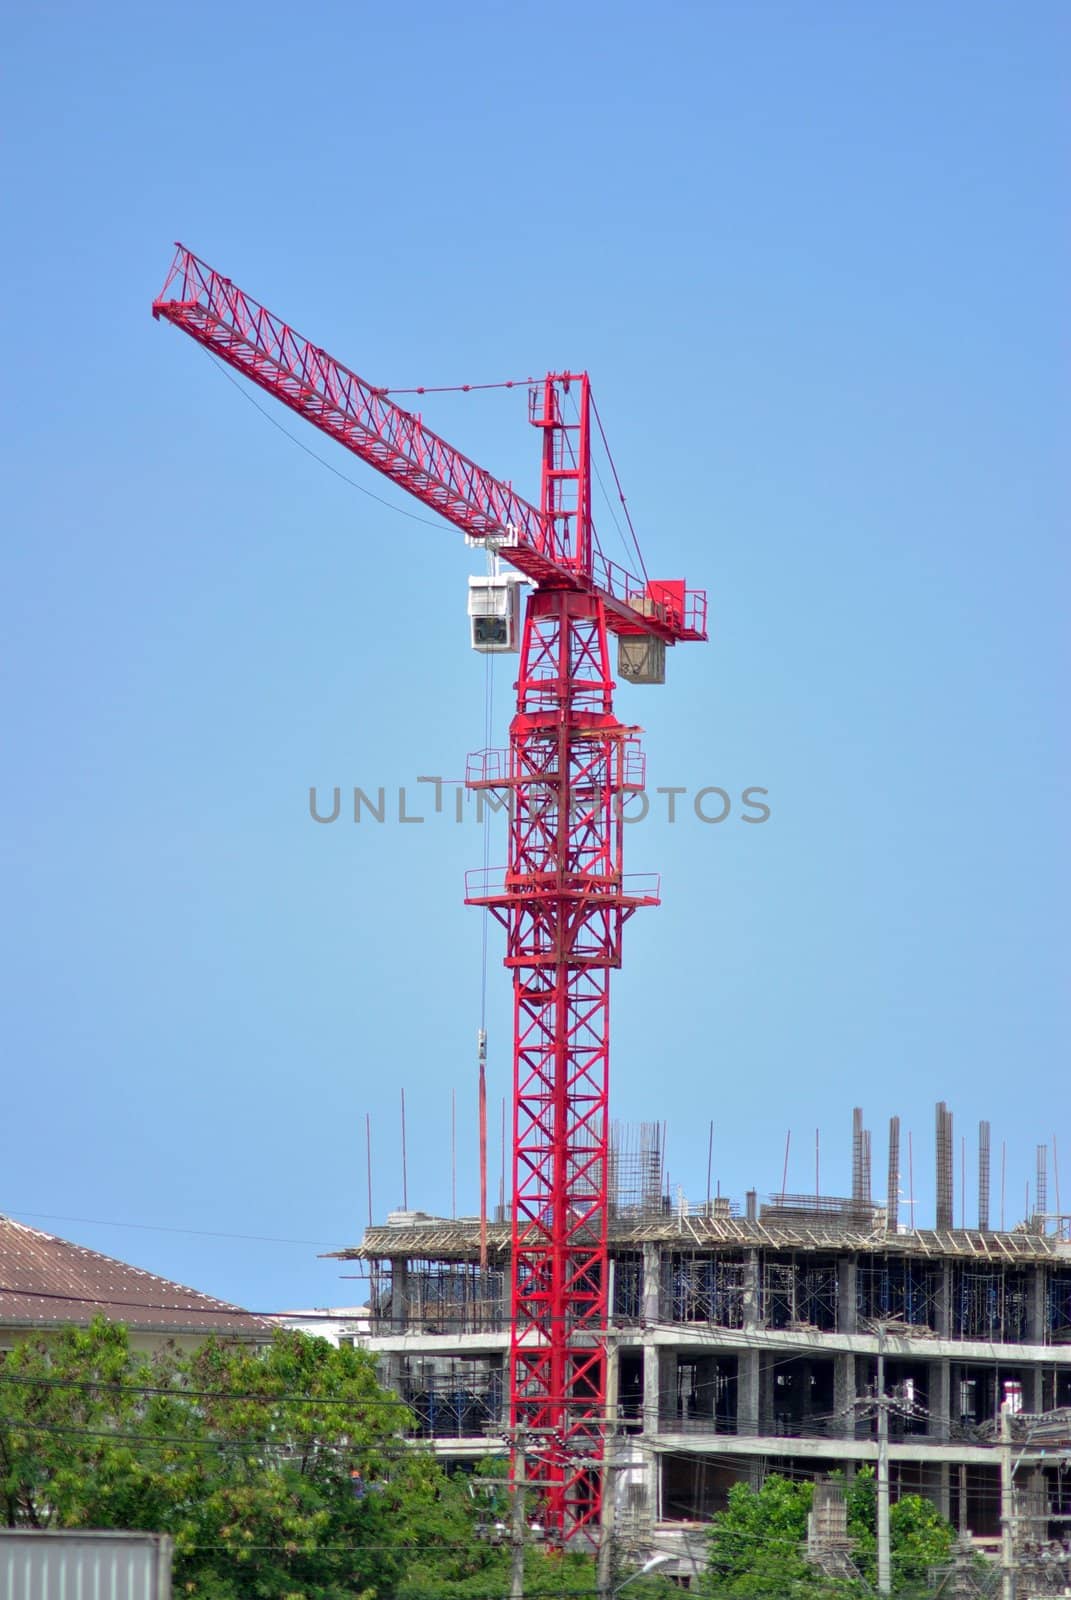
{"x":150,"y":1227}
{"x":107,"y":1386}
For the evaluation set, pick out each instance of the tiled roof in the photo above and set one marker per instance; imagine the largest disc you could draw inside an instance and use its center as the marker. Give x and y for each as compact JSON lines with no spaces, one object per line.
{"x":45,"y":1281}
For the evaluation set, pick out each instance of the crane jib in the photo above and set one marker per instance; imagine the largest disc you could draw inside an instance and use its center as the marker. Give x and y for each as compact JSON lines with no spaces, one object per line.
{"x":216,"y":314}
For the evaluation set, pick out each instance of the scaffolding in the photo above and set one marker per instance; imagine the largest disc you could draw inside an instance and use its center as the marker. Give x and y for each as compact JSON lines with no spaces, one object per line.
{"x":453,"y":1397}
{"x":902,"y":1289}
{"x":800,"y":1293}
{"x":442,"y":1298}
{"x":626,"y":1276}
{"x":991,"y":1304}
{"x":1058,"y":1306}
{"x":704,"y":1288}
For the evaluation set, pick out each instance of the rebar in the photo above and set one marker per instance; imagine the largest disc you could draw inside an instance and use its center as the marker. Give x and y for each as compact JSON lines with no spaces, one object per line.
{"x":857,"y":1154}
{"x":983,"y":1177}
{"x":1041,"y":1193}
{"x":892,"y":1201}
{"x":636,"y":1185}
{"x":865,"y":1185}
{"x":944,"y":1166}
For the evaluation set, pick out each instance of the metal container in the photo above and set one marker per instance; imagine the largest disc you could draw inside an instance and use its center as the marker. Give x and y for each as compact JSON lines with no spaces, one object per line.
{"x":83,"y":1565}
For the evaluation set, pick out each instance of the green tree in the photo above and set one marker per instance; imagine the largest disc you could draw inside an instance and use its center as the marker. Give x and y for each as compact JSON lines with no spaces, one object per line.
{"x":919,"y":1537}
{"x":245,"y":1457}
{"x":68,"y":1410}
{"x":756,"y":1545}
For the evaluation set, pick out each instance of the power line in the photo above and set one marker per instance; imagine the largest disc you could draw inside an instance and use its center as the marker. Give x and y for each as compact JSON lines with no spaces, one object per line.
{"x":33,"y":1293}
{"x":194,"y":1394}
{"x":151,"y":1227}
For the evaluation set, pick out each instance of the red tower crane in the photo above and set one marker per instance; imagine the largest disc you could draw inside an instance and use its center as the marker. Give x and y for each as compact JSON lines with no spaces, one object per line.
{"x":563,"y":898}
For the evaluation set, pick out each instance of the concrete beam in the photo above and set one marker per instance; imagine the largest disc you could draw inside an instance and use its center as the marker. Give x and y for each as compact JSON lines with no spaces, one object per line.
{"x":442,"y":1344}
{"x":861,"y":1344}
{"x":723,"y":1445}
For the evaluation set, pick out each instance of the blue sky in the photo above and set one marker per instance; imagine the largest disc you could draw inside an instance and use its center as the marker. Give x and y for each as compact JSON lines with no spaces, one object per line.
{"x":815,"y":257}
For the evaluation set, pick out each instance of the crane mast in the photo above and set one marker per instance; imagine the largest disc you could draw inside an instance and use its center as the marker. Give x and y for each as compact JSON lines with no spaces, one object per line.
{"x":563,"y":901}
{"x":563,"y":897}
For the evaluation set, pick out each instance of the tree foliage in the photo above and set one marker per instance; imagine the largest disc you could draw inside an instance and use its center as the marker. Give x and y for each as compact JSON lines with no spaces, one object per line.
{"x":246,"y":1458}
{"x":756,"y":1545}
{"x":757,"y":1542}
{"x":919,"y":1537}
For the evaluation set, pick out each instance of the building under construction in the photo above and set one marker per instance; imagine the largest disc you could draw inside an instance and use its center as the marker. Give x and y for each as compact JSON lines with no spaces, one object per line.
{"x":743,"y":1340}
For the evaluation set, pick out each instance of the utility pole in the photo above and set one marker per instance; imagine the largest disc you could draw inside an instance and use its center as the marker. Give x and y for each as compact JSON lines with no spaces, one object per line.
{"x":1007,"y":1506}
{"x":519,"y":1533}
{"x":604,"y":1570}
{"x":880,"y":1404}
{"x":884,"y":1559}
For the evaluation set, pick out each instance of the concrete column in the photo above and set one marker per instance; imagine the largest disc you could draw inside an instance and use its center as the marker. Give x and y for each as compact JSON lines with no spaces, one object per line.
{"x":706,"y":1375}
{"x":650,"y":1309}
{"x":1033,"y":1388}
{"x":399,"y":1294}
{"x":1035,"y":1304}
{"x":939,"y":1400}
{"x":844,"y":1392}
{"x":612,"y":1376}
{"x":943,"y":1490}
{"x":752,"y":1298}
{"x":748,"y":1385}
{"x":652,"y":1470}
{"x":505,"y":1392}
{"x":847,"y":1291}
{"x":667,"y":1388}
{"x":650,"y":1385}
{"x":390,"y":1372}
{"x":766,"y":1393}
{"x":651,"y":1303}
{"x":944,"y":1302}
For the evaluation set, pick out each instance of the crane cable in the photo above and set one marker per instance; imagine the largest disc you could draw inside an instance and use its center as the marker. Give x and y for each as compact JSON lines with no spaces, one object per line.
{"x":461,"y":388}
{"x":378,"y":498}
{"x":488,"y":718}
{"x":606,"y":494}
{"x":620,"y":491}
{"x":488,"y":715}
{"x":481,"y":1038}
